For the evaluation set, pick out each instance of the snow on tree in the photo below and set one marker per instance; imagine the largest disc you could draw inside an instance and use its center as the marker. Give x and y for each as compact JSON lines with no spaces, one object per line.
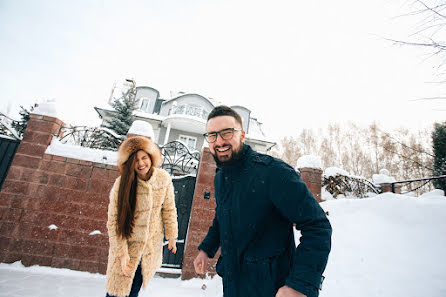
{"x":123,"y":106}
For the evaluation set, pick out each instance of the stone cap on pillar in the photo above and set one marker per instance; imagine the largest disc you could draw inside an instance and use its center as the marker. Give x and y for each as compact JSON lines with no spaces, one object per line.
{"x":384,"y":180}
{"x":309,"y":161}
{"x":310,"y":169}
{"x":47,"y":109}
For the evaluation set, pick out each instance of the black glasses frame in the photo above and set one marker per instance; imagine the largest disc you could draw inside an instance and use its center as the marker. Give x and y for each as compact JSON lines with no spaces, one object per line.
{"x":206,"y":135}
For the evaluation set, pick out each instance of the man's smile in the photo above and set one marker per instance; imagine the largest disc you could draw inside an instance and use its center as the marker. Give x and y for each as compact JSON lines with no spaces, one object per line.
{"x":222,"y":149}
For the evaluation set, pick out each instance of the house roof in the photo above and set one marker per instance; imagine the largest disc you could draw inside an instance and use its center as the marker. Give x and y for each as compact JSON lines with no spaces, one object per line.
{"x":147,"y":87}
{"x":139,"y":114}
{"x":213,"y":102}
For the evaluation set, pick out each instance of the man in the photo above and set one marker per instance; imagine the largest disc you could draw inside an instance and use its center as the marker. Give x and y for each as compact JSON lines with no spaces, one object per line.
{"x":259,"y":198}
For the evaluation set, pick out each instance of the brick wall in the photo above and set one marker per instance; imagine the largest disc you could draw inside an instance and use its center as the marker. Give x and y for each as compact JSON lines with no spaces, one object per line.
{"x":41,"y":190}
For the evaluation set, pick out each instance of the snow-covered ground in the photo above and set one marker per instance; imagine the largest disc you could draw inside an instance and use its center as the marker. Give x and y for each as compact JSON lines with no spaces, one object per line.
{"x":386,"y":246}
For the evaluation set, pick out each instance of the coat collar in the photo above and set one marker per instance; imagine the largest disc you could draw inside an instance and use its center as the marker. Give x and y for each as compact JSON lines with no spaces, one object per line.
{"x":153,"y":180}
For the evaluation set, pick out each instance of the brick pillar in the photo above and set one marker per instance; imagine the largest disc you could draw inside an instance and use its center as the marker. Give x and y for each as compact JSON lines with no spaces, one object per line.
{"x":387,"y":187}
{"x":313,"y":179}
{"x":38,"y":135}
{"x":202,"y":214}
{"x":21,"y":186}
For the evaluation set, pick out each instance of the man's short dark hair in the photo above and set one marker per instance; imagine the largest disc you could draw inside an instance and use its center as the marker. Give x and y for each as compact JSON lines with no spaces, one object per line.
{"x":224,"y":110}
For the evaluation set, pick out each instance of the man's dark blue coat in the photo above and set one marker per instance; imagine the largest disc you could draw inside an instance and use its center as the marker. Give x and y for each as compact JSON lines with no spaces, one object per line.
{"x":259,"y":198}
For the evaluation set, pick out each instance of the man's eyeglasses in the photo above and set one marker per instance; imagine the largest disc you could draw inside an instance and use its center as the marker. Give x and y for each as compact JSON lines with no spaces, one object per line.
{"x":225,"y":134}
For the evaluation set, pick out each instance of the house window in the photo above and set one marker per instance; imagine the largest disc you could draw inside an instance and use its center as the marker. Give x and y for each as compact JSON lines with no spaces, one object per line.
{"x":145,"y":104}
{"x":189,"y":141}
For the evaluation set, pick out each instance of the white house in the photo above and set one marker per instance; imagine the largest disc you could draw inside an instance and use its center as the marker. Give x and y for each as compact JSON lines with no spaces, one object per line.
{"x":183,"y":117}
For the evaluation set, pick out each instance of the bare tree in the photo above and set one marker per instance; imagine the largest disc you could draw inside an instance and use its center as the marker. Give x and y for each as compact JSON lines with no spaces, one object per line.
{"x":363,"y":151}
{"x":429,"y":33}
{"x":288,"y":150}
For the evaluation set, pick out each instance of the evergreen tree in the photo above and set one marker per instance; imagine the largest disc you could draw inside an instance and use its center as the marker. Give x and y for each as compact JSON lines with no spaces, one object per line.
{"x":21,"y":125}
{"x":123,"y":117}
{"x":439,"y":148}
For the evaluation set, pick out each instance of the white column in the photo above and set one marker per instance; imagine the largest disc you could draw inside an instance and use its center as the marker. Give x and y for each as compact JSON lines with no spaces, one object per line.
{"x":166,"y":137}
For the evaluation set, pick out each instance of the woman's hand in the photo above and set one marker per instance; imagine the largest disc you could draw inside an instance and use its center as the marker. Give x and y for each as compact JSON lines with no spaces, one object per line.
{"x":172,"y":245}
{"x":125,"y":265}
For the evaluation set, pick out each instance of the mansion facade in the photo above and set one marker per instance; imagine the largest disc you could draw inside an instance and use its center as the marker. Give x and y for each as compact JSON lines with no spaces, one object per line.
{"x":183,"y":117}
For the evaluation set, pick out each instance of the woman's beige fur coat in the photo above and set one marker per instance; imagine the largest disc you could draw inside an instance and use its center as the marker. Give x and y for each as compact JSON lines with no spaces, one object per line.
{"x":155,"y":205}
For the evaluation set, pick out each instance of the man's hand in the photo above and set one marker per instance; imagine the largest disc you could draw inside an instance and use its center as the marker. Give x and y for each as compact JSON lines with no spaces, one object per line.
{"x":286,"y":291}
{"x":172,"y":245}
{"x":125,"y":266}
{"x":200,"y":262}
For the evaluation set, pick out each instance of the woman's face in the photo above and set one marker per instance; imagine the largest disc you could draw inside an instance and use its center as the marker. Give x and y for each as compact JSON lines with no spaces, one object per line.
{"x":142,"y":164}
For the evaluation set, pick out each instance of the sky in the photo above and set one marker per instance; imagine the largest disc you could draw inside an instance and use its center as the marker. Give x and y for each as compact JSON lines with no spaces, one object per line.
{"x":294,"y":64}
{"x":384,"y":246}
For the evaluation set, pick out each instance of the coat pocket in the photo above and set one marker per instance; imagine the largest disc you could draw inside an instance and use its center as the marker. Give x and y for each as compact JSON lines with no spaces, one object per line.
{"x":260,"y":280}
{"x":268,"y":274}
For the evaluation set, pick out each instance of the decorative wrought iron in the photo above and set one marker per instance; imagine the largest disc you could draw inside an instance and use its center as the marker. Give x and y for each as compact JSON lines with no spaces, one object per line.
{"x":178,"y":160}
{"x":408,"y":183}
{"x":344,"y":185}
{"x":97,"y":137}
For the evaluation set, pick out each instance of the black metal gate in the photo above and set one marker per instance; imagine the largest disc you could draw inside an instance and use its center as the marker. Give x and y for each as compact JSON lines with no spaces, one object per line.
{"x":183,"y":167}
{"x":8,"y":148}
{"x":184,"y":192}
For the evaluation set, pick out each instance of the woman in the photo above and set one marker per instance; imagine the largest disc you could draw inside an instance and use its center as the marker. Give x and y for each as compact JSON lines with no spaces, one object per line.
{"x":141,"y":200}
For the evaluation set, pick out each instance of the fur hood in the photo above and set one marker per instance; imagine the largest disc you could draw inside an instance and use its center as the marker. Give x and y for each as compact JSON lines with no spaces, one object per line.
{"x":136,"y":143}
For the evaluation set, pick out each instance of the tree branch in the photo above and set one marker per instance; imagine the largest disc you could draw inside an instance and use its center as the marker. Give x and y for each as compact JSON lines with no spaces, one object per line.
{"x":432,"y":9}
{"x":429,"y":98}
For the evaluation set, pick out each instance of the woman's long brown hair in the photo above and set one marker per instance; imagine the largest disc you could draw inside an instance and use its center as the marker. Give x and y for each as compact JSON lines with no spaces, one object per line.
{"x":127,"y":198}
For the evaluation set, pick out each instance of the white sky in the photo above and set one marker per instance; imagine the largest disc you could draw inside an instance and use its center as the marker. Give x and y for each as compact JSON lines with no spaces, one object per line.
{"x":295,"y":64}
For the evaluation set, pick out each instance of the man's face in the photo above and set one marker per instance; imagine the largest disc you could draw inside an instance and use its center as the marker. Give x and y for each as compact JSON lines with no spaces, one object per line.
{"x":225,"y":150}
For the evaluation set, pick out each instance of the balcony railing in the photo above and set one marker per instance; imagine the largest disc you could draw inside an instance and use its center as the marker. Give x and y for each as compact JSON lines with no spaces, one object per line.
{"x":191,"y":110}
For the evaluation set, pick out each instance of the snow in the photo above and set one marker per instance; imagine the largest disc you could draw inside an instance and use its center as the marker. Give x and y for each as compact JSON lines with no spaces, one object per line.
{"x":110,"y":131}
{"x":384,"y":171}
{"x":17,"y":281}
{"x":334,"y":171}
{"x":142,"y":128}
{"x":8,"y":137}
{"x":183,"y":176}
{"x":95,"y":232}
{"x":82,"y":153}
{"x":382,"y":179}
{"x":52,"y":227}
{"x":10,"y":129}
{"x":309,"y":161}
{"x":47,"y":108}
{"x":434,"y":194}
{"x":387,"y":246}
{"x":146,"y":115}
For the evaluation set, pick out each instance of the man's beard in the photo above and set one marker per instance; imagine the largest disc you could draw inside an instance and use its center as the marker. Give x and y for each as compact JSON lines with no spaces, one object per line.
{"x":235,"y":156}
